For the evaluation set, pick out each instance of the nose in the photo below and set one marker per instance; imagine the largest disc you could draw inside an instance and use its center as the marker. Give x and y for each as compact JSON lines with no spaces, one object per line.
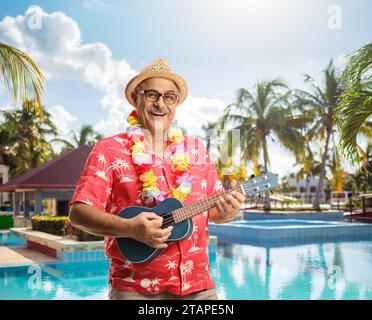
{"x":160,"y":103}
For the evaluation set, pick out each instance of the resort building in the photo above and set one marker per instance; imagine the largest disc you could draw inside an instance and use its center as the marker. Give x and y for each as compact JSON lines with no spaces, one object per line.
{"x":48,"y":188}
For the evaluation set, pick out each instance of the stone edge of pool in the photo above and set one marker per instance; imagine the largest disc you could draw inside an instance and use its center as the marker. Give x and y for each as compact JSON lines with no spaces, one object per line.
{"x":243,"y":233}
{"x":68,"y":250}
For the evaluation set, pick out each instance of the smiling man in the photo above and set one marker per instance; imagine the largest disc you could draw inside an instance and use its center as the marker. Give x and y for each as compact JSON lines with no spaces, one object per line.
{"x":150,"y":161}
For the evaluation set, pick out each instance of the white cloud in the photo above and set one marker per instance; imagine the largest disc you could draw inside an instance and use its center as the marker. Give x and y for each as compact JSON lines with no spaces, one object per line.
{"x":62,"y":119}
{"x":195,"y":111}
{"x":57,"y":47}
{"x":341,"y":61}
{"x":281,"y":161}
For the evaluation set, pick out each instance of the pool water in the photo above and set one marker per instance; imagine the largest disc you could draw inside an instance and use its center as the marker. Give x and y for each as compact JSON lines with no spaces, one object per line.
{"x":323,"y":271}
{"x":284,"y":223}
{"x":335,"y":270}
{"x":67,"y":281}
{"x":10,"y":240}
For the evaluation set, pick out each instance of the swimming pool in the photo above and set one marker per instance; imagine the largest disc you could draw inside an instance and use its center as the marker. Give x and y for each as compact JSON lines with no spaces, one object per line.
{"x":289,"y":232}
{"x":10,"y":240}
{"x":334,"y":270}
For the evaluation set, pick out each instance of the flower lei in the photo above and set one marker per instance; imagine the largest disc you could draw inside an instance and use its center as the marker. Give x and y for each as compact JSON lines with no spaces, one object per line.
{"x":150,"y":193}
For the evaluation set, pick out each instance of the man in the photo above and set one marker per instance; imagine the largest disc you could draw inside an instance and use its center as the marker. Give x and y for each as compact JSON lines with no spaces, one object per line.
{"x":117,"y":175}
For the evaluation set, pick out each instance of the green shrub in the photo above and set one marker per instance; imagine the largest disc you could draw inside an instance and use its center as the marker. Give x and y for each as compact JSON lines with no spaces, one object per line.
{"x":61,"y":226}
{"x":6,"y":221}
{"x":82,"y":235}
{"x":52,"y":225}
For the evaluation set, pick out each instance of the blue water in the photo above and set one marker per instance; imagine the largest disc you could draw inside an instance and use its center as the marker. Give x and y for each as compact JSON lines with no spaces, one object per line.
{"x":312,"y":271}
{"x":10,"y":240}
{"x":282,"y":223}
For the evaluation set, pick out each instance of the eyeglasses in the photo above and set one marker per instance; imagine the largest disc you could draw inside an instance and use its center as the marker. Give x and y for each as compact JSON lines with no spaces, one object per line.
{"x":153,"y":96}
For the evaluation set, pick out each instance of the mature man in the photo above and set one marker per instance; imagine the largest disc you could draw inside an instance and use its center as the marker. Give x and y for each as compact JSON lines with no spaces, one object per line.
{"x":150,"y":161}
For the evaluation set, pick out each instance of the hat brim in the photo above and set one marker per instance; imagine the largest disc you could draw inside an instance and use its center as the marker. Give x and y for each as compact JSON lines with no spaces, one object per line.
{"x":179,"y":81}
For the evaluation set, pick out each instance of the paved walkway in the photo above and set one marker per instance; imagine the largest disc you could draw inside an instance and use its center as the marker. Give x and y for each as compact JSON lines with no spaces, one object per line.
{"x":22,"y":256}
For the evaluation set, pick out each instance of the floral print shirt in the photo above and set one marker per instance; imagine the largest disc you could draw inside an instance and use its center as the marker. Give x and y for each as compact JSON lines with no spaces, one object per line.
{"x":110,"y":183}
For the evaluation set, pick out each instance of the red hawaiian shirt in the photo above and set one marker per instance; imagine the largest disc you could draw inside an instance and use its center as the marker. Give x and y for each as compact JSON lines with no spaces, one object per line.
{"x":109,"y":182}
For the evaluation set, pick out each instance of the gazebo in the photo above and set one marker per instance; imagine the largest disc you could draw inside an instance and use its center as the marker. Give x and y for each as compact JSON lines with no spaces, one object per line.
{"x":56,"y":179}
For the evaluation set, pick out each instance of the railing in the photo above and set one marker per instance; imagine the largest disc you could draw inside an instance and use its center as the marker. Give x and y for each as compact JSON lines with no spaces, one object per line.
{"x":364,"y":209}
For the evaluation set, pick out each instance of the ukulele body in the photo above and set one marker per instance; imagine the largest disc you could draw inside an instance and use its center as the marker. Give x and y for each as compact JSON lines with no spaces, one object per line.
{"x":138,"y":252}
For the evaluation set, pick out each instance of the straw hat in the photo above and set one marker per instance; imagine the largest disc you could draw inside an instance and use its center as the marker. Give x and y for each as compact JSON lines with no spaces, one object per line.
{"x":156,"y":68}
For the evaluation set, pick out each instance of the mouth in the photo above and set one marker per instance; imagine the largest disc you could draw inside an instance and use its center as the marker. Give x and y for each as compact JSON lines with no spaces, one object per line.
{"x":158,"y":114}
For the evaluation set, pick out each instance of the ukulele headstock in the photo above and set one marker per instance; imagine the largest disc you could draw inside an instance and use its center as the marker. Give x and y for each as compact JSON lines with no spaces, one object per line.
{"x":258,"y":185}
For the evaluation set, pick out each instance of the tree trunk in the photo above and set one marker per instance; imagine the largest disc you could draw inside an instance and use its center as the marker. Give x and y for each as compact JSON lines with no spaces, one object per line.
{"x":307,"y":189}
{"x":267,"y":206}
{"x":322,"y":173}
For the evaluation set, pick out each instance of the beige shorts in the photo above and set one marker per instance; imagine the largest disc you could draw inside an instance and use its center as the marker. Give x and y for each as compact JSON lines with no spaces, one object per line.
{"x":209,"y":294}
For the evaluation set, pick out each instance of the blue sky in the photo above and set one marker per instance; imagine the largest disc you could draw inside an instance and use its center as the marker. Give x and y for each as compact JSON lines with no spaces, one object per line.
{"x":90,"y":48}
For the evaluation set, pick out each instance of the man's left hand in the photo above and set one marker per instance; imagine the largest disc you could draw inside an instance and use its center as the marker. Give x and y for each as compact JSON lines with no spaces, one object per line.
{"x":229,"y":210}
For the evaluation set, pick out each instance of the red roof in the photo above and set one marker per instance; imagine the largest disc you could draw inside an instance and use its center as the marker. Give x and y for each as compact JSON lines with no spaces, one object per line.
{"x":62,"y":172}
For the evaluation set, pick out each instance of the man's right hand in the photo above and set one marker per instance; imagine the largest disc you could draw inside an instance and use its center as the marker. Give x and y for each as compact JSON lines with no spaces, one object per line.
{"x":146,"y":228}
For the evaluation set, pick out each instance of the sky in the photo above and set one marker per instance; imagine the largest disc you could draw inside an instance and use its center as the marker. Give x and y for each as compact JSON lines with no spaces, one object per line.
{"x":90,"y":49}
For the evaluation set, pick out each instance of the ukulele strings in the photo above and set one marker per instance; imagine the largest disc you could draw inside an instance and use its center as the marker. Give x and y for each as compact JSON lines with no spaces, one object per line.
{"x":170,"y":219}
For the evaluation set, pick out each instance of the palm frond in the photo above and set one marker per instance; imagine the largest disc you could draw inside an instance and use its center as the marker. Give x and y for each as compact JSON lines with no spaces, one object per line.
{"x":21,"y":76}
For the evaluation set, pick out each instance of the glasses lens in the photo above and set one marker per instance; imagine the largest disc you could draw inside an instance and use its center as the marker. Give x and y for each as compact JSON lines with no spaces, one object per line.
{"x":152,"y":95}
{"x":170,"y":98}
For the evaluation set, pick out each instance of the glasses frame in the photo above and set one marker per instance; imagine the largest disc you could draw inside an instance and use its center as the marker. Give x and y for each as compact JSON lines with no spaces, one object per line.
{"x":159,"y":95}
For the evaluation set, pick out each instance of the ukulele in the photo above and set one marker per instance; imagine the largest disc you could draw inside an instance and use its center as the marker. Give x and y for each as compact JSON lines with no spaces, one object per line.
{"x":175,"y":213}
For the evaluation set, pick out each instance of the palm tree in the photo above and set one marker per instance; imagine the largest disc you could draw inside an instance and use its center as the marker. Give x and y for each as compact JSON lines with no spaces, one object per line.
{"x":338,"y":174}
{"x":309,"y":166}
{"x":361,"y":181}
{"x":21,"y":76}
{"x":87,"y":136}
{"x":262,"y":116}
{"x":23,"y":138}
{"x":320,"y":104}
{"x":353,"y":115}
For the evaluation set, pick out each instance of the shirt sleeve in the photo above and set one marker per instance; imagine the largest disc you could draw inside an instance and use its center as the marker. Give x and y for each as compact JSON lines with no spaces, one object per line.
{"x":95,"y":182}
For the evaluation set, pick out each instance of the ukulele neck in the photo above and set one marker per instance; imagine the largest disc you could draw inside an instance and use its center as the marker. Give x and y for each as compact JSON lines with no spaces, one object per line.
{"x":191,"y":210}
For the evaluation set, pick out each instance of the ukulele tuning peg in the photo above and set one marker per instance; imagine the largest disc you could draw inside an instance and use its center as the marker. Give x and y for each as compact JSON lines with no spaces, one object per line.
{"x":260,"y":195}
{"x":252,"y":176}
{"x":271,"y":191}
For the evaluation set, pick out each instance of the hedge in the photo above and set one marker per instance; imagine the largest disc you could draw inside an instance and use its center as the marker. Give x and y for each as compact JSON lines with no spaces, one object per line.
{"x":6,"y":221}
{"x":60,"y":226}
{"x":52,"y":225}
{"x":81,"y":235}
